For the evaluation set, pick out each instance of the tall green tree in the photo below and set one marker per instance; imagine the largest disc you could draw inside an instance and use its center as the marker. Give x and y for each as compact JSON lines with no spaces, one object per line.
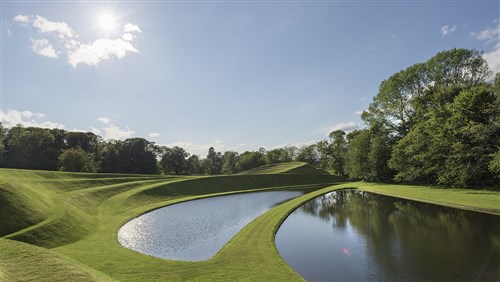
{"x":394,"y":105}
{"x":338,"y":151}
{"x":3,"y":133}
{"x":214,"y":162}
{"x":137,"y":155}
{"x":174,"y":161}
{"x":308,"y":154}
{"x":249,"y":160}
{"x":357,"y":164}
{"x":456,"y":125}
{"x":230,"y":159}
{"x":193,"y":165}
{"x":31,"y":148}
{"x":109,"y":156}
{"x":77,"y":160}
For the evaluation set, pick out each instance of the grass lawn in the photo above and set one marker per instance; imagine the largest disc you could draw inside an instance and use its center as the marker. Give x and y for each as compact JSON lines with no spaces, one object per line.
{"x":68,"y":222}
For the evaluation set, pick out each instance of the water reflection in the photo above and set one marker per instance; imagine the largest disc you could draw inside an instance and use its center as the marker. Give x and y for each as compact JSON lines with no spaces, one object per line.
{"x":353,"y":235}
{"x":197,"y":230}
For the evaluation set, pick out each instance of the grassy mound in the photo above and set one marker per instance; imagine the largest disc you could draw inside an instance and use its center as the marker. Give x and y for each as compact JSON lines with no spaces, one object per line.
{"x":25,"y":262}
{"x":78,"y":216}
{"x":291,"y":167}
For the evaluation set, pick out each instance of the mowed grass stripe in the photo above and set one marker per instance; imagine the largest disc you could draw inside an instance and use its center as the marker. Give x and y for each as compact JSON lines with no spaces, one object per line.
{"x":251,"y":255}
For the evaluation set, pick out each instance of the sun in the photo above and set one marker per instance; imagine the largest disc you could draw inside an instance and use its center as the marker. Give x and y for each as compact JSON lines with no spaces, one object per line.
{"x":106,"y":22}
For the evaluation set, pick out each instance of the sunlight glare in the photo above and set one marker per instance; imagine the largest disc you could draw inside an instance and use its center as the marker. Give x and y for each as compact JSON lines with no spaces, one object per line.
{"x":106,"y":22}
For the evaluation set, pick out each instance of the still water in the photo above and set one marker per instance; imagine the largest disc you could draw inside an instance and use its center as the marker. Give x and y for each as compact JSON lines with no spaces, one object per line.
{"x":350,"y":235}
{"x":197,"y":230}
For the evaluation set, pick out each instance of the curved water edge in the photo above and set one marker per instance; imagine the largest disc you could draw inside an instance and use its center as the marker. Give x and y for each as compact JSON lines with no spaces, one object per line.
{"x":196,"y":230}
{"x":356,"y":235}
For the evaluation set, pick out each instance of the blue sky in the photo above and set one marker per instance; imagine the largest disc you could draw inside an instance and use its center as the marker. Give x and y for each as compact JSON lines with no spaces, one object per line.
{"x":233,"y":75}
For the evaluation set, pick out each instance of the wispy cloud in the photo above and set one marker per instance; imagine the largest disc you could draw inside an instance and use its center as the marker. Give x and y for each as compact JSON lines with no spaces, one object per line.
{"x":22,"y":19}
{"x":445,"y":30}
{"x":100,"y":50}
{"x":104,"y":120}
{"x":93,"y":53}
{"x":109,"y":130}
{"x":129,"y":28}
{"x":153,"y":134}
{"x":491,"y":35}
{"x":11,"y":118}
{"x":43,"y":47}
{"x":345,"y":126}
{"x":358,"y":112}
{"x":117,"y":133}
{"x":44,"y":25}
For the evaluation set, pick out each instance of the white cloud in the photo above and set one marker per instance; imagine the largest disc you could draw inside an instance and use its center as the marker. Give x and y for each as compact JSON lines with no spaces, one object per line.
{"x":127,"y":37}
{"x":22,"y":19}
{"x":345,"y":126}
{"x":43,"y":47}
{"x":111,"y":131}
{"x":490,"y":35}
{"x":493,"y":58}
{"x":44,"y":25}
{"x":117,"y":133}
{"x":12,"y":118}
{"x":100,"y":50}
{"x":358,"y":112}
{"x":104,"y":120}
{"x":445,"y":30}
{"x":153,"y":134}
{"x":131,"y":28}
{"x":91,"y":53}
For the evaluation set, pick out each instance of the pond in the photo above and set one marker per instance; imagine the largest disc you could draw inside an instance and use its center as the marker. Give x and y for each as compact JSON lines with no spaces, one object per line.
{"x":350,"y":235}
{"x":197,"y":230}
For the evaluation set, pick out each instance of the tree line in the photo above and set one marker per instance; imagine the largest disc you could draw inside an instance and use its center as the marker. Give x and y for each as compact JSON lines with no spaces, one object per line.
{"x":436,"y":122}
{"x":58,"y":149}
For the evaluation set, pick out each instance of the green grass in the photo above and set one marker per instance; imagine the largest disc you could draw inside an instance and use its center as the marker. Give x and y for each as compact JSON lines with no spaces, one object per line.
{"x":291,"y":167}
{"x":71,"y":220}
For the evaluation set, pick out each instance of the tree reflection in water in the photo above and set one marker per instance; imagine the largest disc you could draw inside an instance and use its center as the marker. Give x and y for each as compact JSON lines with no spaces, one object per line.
{"x":404,"y":239}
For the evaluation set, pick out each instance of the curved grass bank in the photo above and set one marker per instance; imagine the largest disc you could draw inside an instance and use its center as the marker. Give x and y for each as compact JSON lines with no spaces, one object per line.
{"x":101,"y":208}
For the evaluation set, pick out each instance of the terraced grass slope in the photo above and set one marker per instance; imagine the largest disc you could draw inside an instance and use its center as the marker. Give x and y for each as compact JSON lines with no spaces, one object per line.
{"x":63,"y":226}
{"x":291,"y":167}
{"x":79,"y":214}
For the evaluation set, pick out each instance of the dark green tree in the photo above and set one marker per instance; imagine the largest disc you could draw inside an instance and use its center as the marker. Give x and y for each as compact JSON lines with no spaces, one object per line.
{"x":249,"y":160}
{"x":174,"y":161}
{"x":31,"y":148}
{"x":338,"y":151}
{"x":109,"y":156}
{"x":137,"y":155}
{"x":308,"y":154}
{"x":77,"y":160}
{"x":357,"y":163}
{"x":230,"y":159}
{"x":193,"y":165}
{"x":214,"y":162}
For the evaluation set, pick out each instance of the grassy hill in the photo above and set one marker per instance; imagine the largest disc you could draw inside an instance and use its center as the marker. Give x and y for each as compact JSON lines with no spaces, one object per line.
{"x":63,"y":226}
{"x":78,"y":214}
{"x":291,"y":167}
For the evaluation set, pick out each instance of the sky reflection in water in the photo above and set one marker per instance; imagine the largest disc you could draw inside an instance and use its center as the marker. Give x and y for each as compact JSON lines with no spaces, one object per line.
{"x":351,"y":235}
{"x":197,"y":230}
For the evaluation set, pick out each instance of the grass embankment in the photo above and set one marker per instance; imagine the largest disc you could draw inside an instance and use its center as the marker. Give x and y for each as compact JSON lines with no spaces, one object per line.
{"x":286,"y":168}
{"x":90,"y":211}
{"x":79,"y":214}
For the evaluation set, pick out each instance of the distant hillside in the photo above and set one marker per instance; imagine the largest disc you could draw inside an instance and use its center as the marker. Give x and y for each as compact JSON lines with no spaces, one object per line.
{"x":291,"y":167}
